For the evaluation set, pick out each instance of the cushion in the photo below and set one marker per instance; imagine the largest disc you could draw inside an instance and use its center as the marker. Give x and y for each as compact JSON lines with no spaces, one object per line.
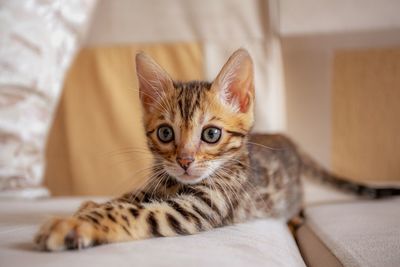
{"x":359,"y":233}
{"x":97,"y":144}
{"x":265,"y":242}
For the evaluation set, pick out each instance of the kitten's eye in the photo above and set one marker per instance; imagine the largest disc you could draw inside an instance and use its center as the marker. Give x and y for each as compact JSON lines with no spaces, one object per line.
{"x":211,"y":135}
{"x":165,"y":133}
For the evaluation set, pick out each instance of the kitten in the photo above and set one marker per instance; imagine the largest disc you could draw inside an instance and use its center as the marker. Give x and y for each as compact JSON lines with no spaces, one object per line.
{"x":203,"y":176}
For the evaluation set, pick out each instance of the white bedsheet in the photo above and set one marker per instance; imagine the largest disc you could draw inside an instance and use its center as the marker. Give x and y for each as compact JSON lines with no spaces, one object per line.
{"x":258,"y":243}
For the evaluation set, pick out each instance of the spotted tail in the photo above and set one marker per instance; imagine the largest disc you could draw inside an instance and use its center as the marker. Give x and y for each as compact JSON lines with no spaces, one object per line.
{"x":316,"y":172}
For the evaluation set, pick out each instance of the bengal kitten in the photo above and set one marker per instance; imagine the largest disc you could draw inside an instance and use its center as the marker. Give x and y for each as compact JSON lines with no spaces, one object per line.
{"x":202,"y":175}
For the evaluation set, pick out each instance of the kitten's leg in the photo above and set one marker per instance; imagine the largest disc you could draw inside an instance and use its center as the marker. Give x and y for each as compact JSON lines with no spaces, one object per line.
{"x":118,"y":221}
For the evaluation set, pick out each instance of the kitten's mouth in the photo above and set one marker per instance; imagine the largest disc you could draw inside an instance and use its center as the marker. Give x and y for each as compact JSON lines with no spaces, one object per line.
{"x":186,"y":178}
{"x":189,"y":176}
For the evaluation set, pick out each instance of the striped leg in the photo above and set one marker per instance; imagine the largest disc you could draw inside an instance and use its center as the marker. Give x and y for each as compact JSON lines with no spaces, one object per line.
{"x":118,"y":221}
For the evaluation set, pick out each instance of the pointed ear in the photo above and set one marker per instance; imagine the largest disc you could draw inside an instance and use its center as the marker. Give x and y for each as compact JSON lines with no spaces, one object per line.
{"x":234,"y":83}
{"x":154,"y":82}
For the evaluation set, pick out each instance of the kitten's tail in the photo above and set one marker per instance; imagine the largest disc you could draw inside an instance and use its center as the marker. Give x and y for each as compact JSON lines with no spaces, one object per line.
{"x":314,"y":171}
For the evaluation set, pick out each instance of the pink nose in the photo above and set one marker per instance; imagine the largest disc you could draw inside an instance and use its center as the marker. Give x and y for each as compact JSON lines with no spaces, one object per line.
{"x":184,"y":162}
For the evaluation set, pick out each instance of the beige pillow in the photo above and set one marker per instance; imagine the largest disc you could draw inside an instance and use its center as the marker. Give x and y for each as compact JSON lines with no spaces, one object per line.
{"x":97,"y":144}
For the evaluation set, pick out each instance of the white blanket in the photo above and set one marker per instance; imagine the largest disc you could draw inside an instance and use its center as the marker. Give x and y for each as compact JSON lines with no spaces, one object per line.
{"x":258,"y":243}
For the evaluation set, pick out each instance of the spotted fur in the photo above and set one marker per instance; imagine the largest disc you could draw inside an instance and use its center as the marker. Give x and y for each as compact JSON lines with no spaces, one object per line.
{"x":238,"y":178}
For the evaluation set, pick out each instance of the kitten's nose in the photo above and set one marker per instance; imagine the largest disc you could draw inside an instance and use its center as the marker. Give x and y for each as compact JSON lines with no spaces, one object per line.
{"x":184,"y":162}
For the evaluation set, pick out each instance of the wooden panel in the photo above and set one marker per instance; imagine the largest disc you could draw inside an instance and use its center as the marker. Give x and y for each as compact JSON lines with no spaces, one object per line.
{"x":97,"y":144}
{"x":366,"y":114}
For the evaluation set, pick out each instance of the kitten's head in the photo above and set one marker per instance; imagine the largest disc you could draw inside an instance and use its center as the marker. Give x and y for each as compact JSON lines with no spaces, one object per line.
{"x":194,"y":127}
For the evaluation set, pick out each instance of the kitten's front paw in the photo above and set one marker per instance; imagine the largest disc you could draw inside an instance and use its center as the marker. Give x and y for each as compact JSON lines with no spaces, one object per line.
{"x":62,"y":234}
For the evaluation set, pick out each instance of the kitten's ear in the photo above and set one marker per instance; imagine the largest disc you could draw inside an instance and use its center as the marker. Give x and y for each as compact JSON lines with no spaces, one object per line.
{"x":234,"y":83}
{"x":153,"y":81}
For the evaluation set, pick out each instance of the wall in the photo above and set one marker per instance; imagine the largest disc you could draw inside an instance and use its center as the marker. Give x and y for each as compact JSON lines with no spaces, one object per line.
{"x":311,"y":31}
{"x":307,"y":17}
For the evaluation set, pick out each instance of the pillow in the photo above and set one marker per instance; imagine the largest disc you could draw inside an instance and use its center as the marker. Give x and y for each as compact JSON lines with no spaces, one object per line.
{"x":38,"y":42}
{"x":97,"y":144}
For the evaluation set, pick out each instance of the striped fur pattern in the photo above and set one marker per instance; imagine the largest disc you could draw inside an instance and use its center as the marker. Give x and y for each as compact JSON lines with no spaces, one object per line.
{"x":198,"y":181}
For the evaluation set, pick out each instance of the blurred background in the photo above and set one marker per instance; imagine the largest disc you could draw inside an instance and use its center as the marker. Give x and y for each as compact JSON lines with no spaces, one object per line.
{"x":327,"y":74}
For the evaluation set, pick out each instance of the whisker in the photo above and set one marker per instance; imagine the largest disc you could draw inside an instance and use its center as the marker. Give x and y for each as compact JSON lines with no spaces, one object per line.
{"x":126,"y":183}
{"x":264,"y":146}
{"x":128,"y":151}
{"x":243,"y":185}
{"x":148,"y":183}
